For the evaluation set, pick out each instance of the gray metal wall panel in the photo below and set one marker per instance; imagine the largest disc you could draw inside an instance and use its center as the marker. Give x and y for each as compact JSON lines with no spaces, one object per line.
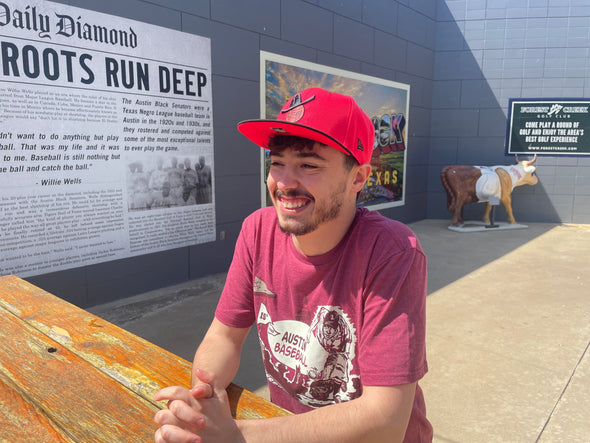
{"x":307,"y":25}
{"x":349,"y":9}
{"x":382,"y":15}
{"x":416,"y":27}
{"x":390,"y":51}
{"x":353,"y":39}
{"x":260,"y":16}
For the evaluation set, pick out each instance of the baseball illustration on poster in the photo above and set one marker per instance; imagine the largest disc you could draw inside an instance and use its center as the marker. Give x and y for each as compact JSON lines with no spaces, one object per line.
{"x":107,"y":138}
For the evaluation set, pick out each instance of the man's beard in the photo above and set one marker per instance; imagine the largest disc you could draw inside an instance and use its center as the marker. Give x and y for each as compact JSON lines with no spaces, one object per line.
{"x":322,"y":214}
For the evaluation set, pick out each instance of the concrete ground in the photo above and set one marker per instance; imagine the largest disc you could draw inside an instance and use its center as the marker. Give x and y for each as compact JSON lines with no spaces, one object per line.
{"x":508,"y":331}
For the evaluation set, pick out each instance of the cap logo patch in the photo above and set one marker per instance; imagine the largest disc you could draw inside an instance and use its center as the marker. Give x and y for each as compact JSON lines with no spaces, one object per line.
{"x":295,"y":110}
{"x":359,"y":145}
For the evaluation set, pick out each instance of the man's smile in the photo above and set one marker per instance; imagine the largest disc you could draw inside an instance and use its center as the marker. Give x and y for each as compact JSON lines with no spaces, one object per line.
{"x":292,"y":202}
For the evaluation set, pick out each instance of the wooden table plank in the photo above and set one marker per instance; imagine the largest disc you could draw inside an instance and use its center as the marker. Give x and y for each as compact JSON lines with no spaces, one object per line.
{"x":19,"y":419}
{"x":132,"y":361}
{"x":84,"y":403}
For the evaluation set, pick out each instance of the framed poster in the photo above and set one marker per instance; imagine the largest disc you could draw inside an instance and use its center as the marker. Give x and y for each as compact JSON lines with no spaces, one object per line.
{"x":548,"y":126}
{"x":385,"y":102}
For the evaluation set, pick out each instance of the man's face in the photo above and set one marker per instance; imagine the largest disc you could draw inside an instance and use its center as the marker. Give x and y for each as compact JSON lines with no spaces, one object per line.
{"x":308,"y":187}
{"x":329,"y":330}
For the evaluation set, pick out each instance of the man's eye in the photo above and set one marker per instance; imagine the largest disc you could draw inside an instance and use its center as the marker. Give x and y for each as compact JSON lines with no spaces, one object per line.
{"x":308,"y":166}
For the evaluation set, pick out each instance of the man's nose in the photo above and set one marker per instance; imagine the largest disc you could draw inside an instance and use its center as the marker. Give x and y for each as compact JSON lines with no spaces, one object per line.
{"x":286,"y":178}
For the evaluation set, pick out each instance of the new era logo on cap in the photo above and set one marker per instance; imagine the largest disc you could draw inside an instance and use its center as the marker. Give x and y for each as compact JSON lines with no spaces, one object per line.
{"x":359,"y":145}
{"x":327,"y":117}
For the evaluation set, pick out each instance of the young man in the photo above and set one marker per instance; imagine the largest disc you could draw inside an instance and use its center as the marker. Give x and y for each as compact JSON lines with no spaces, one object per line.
{"x":337,"y":294}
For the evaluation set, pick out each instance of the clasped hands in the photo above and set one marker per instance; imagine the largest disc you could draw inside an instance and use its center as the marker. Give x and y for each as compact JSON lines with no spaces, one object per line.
{"x":197,"y":415}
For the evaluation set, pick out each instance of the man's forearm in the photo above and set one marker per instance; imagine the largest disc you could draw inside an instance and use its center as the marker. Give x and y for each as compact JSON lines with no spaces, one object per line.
{"x":374,"y":418}
{"x":219,"y":353}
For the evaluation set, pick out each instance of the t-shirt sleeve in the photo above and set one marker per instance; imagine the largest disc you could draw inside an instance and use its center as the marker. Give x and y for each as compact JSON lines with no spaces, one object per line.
{"x":392,"y":343}
{"x":236,"y":307}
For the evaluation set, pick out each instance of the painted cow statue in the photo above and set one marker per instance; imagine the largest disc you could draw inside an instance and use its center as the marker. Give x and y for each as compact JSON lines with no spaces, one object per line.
{"x":491,"y":184}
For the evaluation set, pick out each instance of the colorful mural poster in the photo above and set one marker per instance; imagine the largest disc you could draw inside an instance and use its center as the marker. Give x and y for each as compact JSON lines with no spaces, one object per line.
{"x":386,"y":102}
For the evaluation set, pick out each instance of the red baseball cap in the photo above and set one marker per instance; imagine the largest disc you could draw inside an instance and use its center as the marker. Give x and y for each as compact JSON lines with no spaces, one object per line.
{"x":327,"y":117}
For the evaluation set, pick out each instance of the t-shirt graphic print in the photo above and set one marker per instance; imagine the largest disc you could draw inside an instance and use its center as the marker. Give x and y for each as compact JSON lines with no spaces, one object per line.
{"x":311,"y":362}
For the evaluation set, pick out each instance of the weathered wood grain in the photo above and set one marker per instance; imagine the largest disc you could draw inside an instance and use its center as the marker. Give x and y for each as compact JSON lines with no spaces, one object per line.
{"x":85,"y":404}
{"x":23,"y":421}
{"x":130,"y":360}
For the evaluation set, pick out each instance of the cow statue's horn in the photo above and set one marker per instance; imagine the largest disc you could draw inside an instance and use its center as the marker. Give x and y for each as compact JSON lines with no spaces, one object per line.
{"x":525,"y":162}
{"x":533,"y":160}
{"x":530,"y":162}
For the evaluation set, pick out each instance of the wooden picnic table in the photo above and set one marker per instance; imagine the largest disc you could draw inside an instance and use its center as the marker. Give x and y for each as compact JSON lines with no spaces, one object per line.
{"x":67,"y":375}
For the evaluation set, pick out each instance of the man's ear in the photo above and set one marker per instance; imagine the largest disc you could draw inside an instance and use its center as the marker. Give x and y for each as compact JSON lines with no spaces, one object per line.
{"x":361,"y":175}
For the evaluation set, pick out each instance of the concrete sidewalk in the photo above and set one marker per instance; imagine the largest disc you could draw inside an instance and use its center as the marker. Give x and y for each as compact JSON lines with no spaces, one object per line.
{"x":508,"y":331}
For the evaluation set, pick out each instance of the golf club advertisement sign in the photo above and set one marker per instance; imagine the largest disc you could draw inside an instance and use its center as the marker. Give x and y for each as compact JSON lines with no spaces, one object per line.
{"x":546,"y":126}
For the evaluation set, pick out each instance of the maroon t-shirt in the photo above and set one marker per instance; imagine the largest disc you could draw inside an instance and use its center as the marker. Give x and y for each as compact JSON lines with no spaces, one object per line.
{"x":333,"y":323}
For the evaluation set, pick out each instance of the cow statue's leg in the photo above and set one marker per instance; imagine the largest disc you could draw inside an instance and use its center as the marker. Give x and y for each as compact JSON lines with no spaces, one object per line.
{"x":507,"y":202}
{"x":506,"y":197}
{"x":486,"y":214}
{"x":457,"y":220}
{"x":453,"y":205}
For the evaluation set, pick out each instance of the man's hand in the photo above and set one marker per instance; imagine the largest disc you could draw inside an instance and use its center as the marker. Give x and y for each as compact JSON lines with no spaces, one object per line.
{"x":181,"y":421}
{"x":196,"y":415}
{"x":202,"y":384}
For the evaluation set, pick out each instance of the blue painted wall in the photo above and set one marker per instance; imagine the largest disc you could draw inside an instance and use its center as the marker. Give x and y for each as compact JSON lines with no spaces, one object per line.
{"x":462,"y":58}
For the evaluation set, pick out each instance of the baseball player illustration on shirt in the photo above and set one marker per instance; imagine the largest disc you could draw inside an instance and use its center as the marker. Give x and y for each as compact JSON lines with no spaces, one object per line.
{"x":311,"y":362}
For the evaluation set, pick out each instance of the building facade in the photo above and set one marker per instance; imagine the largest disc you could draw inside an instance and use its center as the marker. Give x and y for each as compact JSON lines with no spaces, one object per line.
{"x":463,"y":60}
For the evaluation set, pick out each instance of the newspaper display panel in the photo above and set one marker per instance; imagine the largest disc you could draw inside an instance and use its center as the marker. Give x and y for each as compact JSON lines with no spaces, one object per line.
{"x":106,"y":142}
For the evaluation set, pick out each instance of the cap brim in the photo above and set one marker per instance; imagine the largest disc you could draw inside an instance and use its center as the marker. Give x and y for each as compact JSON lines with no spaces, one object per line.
{"x":261,"y":131}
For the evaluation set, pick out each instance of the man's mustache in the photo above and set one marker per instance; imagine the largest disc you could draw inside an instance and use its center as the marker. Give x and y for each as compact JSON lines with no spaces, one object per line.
{"x":293,"y":194}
